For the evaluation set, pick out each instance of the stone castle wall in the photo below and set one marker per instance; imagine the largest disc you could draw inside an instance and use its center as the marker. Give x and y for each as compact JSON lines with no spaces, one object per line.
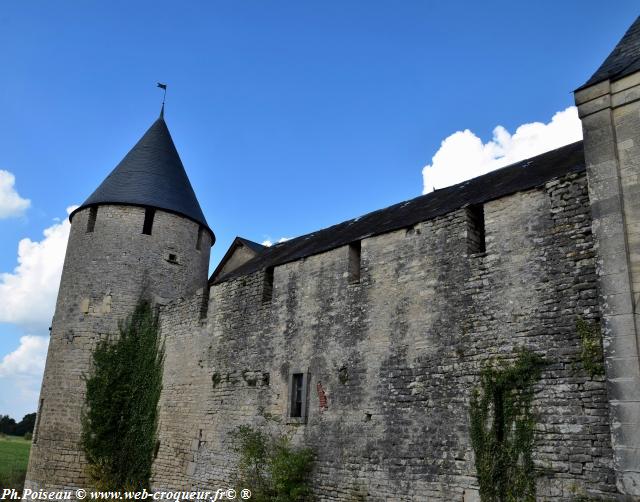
{"x":397,"y":354}
{"x":105,"y":273}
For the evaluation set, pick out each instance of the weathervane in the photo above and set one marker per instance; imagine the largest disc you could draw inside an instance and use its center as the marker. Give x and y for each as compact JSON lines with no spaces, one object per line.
{"x":164,"y":88}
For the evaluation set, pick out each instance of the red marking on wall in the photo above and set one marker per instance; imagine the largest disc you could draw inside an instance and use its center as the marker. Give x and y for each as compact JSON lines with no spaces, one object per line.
{"x":322,"y":397}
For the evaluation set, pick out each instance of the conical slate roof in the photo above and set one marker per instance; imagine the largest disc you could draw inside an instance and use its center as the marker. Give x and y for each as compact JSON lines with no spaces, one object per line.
{"x":151,"y":174}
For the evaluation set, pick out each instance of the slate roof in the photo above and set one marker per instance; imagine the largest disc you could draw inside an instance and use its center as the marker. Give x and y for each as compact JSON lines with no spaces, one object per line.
{"x":151,"y":174}
{"x":237,"y":242}
{"x":258,"y":248}
{"x":522,"y":175}
{"x":623,"y":60}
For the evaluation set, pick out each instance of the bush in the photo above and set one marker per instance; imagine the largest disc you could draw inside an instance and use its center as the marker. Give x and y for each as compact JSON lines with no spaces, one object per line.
{"x":121,"y":409}
{"x":271,"y":468}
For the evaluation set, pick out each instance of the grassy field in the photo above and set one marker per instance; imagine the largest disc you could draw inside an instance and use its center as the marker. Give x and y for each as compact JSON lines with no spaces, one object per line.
{"x":14,"y":455}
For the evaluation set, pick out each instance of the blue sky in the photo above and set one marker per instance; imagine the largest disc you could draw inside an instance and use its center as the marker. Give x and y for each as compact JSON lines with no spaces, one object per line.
{"x":289,"y":115}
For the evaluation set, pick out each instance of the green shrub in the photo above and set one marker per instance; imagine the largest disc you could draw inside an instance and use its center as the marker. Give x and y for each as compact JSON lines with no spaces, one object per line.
{"x":121,"y":410}
{"x":502,"y":429}
{"x":28,"y":436}
{"x":271,"y":468}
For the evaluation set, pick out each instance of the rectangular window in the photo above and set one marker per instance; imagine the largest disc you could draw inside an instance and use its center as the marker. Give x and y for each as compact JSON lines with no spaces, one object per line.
{"x":267,"y":288}
{"x":298,"y":395}
{"x":354,"y":262}
{"x":475,"y":229}
{"x":91,"y":222}
{"x":199,"y":241}
{"x":149,"y":213}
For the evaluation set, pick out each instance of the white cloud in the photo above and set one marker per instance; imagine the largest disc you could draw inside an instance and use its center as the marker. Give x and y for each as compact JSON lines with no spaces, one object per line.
{"x":27,"y":299}
{"x":21,"y":376}
{"x":28,"y":294}
{"x":463,"y":155}
{"x":11,"y":204}
{"x":269,"y":242}
{"x":27,"y":360}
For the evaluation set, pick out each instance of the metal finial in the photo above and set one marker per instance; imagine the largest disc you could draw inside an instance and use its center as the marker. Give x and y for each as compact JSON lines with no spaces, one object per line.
{"x":164,"y":95}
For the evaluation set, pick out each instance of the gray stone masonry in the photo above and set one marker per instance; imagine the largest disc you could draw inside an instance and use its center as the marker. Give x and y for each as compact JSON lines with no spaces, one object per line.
{"x":390,"y":333}
{"x":105,"y":272}
{"x":396,"y":356}
{"x":610,"y":114}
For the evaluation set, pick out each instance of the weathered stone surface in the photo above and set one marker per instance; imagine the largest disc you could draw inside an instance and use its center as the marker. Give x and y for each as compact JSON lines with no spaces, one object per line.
{"x":612,"y":153}
{"x":397,"y":355}
{"x":104,"y":274}
{"x":390,"y":353}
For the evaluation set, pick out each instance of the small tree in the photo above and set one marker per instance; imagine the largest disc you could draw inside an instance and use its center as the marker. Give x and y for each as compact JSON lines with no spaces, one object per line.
{"x":120,"y":418}
{"x":270,"y":467}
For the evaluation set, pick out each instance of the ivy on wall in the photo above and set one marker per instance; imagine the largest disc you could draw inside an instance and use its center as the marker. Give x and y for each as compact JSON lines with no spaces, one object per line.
{"x":502,"y":429}
{"x":120,"y":416}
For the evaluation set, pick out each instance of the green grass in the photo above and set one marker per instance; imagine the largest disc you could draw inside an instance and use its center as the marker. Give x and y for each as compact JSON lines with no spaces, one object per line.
{"x":14,"y":456}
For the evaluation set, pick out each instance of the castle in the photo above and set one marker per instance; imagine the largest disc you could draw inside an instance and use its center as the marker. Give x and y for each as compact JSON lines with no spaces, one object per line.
{"x":364,"y":340}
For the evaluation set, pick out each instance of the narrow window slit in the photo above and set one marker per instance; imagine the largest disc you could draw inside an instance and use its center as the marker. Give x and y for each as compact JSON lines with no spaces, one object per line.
{"x":204,"y":305}
{"x":475,"y":229}
{"x":199,"y":241}
{"x":267,"y":289}
{"x":149,"y":214}
{"x":91,"y":222}
{"x":354,"y":262}
{"x":297,"y":380}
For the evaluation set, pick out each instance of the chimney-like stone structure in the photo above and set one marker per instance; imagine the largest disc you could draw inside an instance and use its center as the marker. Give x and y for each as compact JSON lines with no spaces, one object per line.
{"x":609,"y":107}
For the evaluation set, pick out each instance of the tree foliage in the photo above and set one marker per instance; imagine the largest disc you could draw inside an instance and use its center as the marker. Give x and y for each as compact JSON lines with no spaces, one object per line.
{"x":271,"y":468}
{"x":9,"y":426}
{"x":120,"y":417}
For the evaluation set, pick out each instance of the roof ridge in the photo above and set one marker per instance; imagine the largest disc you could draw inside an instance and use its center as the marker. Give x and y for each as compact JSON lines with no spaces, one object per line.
{"x":521,"y":175}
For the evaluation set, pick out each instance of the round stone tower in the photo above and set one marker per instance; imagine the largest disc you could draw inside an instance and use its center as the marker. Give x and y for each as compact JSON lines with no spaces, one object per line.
{"x":142,"y":232}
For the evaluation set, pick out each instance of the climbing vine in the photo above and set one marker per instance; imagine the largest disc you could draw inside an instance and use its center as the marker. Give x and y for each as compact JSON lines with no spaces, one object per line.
{"x":502,"y":429}
{"x":121,"y":408}
{"x":591,"y":347}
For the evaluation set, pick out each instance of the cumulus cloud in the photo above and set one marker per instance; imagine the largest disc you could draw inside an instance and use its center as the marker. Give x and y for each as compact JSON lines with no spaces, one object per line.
{"x":21,"y":375}
{"x":463,"y":155}
{"x":269,"y":242}
{"x":11,"y":204}
{"x":28,"y":294}
{"x":27,"y":360}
